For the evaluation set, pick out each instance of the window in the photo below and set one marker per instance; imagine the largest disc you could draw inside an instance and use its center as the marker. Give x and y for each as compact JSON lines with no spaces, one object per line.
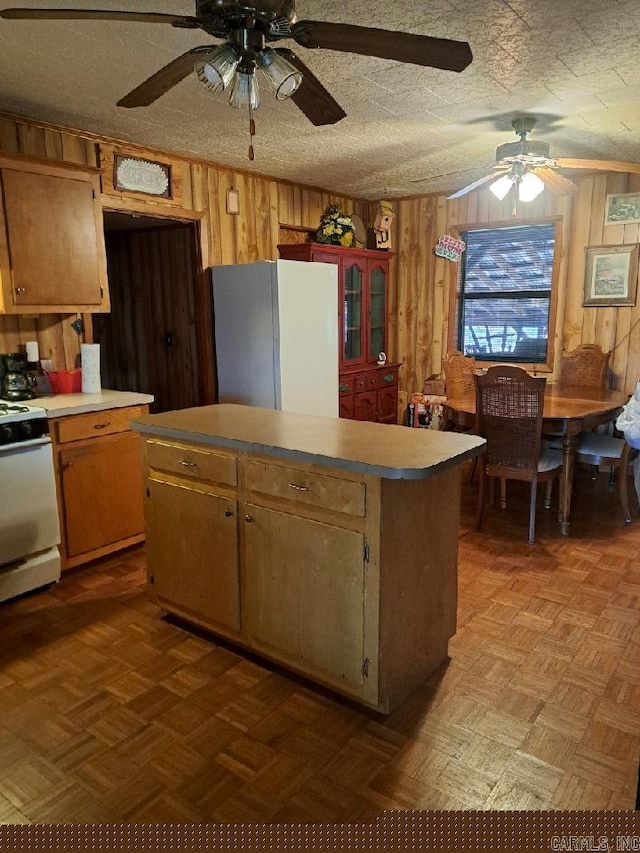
{"x":505,"y":292}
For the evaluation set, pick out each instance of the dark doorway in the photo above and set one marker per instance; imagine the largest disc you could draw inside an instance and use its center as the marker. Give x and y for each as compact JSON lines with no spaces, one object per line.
{"x":149,"y":340}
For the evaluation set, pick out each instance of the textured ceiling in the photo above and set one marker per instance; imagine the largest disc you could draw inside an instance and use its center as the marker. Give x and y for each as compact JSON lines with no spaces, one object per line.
{"x":409,"y":130}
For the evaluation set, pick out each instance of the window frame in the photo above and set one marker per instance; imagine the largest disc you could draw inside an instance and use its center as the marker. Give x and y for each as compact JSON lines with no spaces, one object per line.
{"x":456,"y":287}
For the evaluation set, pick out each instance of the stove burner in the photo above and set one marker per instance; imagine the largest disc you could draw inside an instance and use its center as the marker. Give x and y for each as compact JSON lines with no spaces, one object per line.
{"x":9,"y":409}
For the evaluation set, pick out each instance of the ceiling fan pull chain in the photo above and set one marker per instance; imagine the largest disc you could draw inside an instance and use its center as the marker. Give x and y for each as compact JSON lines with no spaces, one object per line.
{"x":252,"y":133}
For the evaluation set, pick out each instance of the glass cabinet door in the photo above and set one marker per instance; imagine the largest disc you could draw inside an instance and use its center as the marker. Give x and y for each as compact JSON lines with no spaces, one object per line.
{"x":352,"y":325}
{"x":377,"y":312}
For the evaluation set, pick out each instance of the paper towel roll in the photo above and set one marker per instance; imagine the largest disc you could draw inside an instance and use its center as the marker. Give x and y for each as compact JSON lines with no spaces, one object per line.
{"x":90,"y":362}
{"x":33,"y":354}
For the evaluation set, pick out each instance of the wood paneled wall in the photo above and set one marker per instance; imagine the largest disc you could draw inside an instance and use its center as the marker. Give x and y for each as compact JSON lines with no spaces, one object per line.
{"x":421,"y":283}
{"x":250,"y":235}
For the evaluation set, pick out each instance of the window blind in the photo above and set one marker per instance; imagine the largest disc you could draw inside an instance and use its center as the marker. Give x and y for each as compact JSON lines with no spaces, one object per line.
{"x":505,"y":292}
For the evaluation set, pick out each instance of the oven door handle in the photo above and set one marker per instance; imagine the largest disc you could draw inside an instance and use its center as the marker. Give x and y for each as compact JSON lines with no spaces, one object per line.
{"x":20,"y":446}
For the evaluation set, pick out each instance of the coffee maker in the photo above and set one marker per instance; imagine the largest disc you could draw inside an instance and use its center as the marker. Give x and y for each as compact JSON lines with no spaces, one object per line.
{"x":15,"y":381}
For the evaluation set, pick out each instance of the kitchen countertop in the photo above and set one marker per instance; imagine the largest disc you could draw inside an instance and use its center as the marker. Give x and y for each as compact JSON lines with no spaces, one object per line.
{"x":384,"y":450}
{"x":59,"y":405}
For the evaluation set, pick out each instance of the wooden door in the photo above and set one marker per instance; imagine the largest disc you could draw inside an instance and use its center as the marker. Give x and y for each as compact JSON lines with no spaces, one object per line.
{"x":192,"y":551}
{"x":304,"y":585}
{"x":149,"y":341}
{"x":55,"y":239}
{"x":101,"y":483}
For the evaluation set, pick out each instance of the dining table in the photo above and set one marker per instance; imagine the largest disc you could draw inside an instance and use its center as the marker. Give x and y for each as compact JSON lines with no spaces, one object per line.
{"x":568,"y":411}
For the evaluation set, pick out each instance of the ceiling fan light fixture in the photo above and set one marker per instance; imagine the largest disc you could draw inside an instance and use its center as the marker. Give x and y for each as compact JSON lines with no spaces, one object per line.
{"x":502,"y":186}
{"x":217,"y":71}
{"x":245,"y":94}
{"x":529,"y":187}
{"x":283,"y":77}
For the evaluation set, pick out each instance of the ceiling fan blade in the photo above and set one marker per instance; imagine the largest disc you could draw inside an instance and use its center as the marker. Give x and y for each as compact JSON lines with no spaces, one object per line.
{"x":311,"y":97}
{"x":474,"y":186}
{"x":163,"y":80}
{"x":556,"y":182}
{"x":99,"y":15}
{"x":402,"y":47}
{"x":598,"y":165}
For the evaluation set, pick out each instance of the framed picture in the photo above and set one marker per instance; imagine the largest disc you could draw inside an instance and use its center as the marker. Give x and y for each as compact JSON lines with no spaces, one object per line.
{"x":611,"y":275}
{"x":622,"y":207}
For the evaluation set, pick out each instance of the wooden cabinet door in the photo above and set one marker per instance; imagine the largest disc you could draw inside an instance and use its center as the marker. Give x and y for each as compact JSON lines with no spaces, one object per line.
{"x":376,"y":309}
{"x":54,"y":239}
{"x":192,"y":551}
{"x":101,"y":484}
{"x":303,"y":593}
{"x":365,"y":406}
{"x":388,"y":405}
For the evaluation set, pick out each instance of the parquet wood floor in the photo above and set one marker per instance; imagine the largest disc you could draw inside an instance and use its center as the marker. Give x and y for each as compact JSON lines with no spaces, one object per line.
{"x":110,"y":712}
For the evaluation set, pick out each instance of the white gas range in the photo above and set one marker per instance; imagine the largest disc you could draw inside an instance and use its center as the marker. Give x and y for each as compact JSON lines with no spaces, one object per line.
{"x":29,"y":524}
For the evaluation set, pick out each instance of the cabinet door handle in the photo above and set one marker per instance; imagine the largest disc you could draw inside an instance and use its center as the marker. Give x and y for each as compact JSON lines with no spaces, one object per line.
{"x":228,"y":513}
{"x":21,"y":289}
{"x":248,"y":517}
{"x":188,"y":464}
{"x":102,"y":426}
{"x":298,"y":488}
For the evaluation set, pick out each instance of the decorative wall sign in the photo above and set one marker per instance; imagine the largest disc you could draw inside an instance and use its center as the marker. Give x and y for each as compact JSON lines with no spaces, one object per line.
{"x":450,"y":247}
{"x":621,"y":208}
{"x":611,"y":275}
{"x":142,"y":176}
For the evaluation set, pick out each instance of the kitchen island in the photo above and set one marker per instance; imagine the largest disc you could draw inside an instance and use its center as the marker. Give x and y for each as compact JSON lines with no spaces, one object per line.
{"x":324,"y":544}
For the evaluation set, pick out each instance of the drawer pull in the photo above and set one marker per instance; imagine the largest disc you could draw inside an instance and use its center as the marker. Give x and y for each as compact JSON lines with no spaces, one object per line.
{"x":188,"y":464}
{"x":102,"y":426}
{"x":388,"y":377}
{"x":298,"y":488}
{"x":343,"y":386}
{"x":228,"y":513}
{"x":248,"y":518}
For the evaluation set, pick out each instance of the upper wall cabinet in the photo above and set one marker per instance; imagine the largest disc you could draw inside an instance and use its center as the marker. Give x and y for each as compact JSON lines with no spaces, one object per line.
{"x":52,"y":252}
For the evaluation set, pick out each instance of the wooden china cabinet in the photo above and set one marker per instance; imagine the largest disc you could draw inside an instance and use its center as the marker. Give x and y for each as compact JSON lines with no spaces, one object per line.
{"x":368,"y":391}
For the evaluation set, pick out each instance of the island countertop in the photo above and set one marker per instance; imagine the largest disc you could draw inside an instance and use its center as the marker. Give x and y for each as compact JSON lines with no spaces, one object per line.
{"x":382,"y":450}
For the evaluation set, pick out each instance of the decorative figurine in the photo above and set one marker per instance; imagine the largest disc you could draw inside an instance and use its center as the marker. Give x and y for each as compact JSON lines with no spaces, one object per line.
{"x":382,"y":225}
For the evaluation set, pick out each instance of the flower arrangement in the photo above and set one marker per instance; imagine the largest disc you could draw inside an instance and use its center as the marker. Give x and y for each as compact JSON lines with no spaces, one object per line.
{"x":335,"y":228}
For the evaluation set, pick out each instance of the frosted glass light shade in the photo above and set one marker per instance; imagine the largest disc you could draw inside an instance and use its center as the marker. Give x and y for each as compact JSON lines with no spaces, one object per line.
{"x":502,"y":186}
{"x":244,"y":93}
{"x":216,"y":72}
{"x":283,"y":77}
{"x":530,"y":187}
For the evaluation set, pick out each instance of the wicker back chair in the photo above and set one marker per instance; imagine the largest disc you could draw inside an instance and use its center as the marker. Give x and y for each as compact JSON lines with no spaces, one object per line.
{"x":586,"y":365}
{"x":458,"y":374}
{"x":509,"y":404}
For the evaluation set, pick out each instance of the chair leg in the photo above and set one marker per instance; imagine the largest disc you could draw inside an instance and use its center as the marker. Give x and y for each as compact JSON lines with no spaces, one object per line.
{"x":547,"y":494}
{"x":492,"y":492}
{"x":503,"y":493}
{"x":532,"y":511}
{"x":623,"y":485}
{"x":481,"y":488}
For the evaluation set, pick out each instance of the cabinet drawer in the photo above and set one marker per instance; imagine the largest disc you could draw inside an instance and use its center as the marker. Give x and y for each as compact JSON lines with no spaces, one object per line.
{"x":95,"y":424}
{"x":388,"y":377}
{"x":345,"y":385}
{"x":307,"y":487}
{"x":197,"y":463}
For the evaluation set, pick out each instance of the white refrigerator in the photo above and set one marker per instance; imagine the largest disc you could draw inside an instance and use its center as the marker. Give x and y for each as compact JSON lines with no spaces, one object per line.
{"x":276,"y":335}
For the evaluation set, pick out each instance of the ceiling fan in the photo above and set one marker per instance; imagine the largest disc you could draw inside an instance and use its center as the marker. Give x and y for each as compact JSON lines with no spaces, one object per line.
{"x":245,"y":26}
{"x":527,"y":167}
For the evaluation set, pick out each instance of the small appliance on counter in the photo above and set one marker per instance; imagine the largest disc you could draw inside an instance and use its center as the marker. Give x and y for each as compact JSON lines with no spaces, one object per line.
{"x":40,"y":382}
{"x":15,"y":381}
